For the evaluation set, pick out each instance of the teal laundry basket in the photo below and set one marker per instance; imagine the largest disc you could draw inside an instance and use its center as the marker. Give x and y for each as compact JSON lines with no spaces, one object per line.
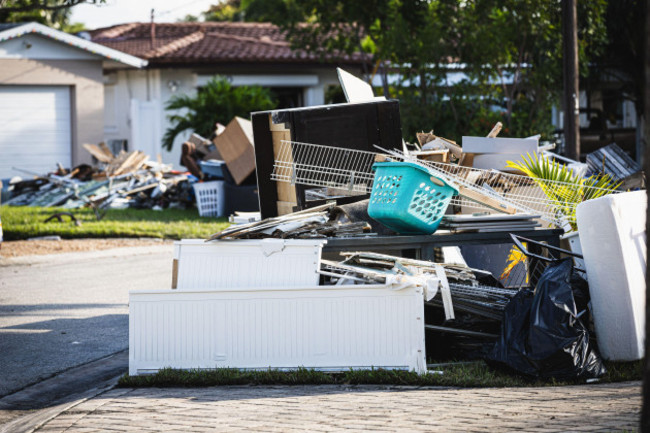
{"x":407,"y":198}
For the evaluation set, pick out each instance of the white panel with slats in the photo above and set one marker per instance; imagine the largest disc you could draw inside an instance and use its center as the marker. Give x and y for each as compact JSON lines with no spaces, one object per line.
{"x":247,"y":263}
{"x":324,"y":327}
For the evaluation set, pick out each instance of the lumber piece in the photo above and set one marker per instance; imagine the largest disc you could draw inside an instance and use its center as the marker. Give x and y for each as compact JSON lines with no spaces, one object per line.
{"x":98,"y":153}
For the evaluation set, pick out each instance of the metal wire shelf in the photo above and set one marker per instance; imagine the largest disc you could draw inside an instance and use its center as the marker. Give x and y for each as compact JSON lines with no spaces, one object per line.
{"x":324,"y":166}
{"x":481,"y":190}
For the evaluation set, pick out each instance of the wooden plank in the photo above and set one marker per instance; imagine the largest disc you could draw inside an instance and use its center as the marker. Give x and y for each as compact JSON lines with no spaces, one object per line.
{"x":285,"y":207}
{"x":495,"y":130}
{"x":433,"y":155}
{"x":95,"y":151}
{"x":175,"y":274}
{"x":235,"y":145}
{"x":286,"y":191}
{"x":486,"y":200}
{"x":104,"y":148}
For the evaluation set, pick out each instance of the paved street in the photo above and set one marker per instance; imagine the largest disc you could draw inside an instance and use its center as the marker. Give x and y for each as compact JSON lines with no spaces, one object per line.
{"x":605,"y":408}
{"x":61,"y":311}
{"x":63,"y":316}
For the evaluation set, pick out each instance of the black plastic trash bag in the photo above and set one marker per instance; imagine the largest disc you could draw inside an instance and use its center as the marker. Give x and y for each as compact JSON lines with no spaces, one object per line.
{"x":541,"y":335}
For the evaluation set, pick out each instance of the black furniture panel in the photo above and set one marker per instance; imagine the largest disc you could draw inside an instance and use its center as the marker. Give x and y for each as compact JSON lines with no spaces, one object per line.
{"x":354,"y":126}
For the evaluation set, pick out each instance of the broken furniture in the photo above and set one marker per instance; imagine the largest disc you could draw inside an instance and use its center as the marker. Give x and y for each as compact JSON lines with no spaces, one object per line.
{"x":613,"y":240}
{"x":358,"y":126}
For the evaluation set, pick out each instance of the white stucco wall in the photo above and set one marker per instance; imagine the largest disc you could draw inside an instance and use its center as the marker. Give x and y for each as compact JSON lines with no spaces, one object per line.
{"x":159,"y":86}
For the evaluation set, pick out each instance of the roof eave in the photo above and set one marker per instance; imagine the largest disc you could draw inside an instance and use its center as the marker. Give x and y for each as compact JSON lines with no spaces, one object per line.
{"x":74,"y":41}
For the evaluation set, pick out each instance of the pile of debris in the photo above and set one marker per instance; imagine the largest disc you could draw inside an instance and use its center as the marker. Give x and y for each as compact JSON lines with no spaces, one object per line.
{"x":464,"y":320}
{"x":228,"y":158}
{"x":319,"y":222}
{"x":128,"y":179}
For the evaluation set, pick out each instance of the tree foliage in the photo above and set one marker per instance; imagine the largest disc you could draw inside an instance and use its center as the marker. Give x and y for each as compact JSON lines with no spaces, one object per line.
{"x":52,"y":13}
{"x":217,"y":101}
{"x":622,"y":60}
{"x":463,"y":65}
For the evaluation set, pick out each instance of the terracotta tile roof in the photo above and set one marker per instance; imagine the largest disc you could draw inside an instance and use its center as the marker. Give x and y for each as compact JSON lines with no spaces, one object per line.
{"x":210,"y":42}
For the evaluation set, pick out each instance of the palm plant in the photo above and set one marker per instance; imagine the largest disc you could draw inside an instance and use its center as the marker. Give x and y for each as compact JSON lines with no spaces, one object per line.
{"x":217,"y":101}
{"x":564,"y":188}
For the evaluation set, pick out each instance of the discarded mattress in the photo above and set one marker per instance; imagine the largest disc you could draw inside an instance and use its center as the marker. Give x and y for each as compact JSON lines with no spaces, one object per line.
{"x":613,"y":239}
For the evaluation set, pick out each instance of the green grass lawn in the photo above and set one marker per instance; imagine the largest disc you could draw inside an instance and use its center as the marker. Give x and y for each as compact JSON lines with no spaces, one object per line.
{"x":474,"y":375}
{"x":22,"y":222}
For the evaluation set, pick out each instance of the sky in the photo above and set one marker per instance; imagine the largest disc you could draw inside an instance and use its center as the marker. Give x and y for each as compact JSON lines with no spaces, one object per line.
{"x":123,"y":11}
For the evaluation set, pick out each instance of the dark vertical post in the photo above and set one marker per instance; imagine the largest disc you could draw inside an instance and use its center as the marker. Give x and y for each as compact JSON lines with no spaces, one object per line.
{"x":570,"y":63}
{"x":645,"y":412}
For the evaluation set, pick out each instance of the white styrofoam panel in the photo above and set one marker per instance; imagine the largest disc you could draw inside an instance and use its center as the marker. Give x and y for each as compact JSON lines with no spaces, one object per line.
{"x":613,"y":240}
{"x":517,"y":146}
{"x":332,"y":328}
{"x":248,"y":263}
{"x":496,"y":161}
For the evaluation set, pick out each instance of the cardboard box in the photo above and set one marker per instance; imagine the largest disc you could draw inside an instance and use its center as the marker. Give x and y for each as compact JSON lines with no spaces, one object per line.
{"x":235,"y":146}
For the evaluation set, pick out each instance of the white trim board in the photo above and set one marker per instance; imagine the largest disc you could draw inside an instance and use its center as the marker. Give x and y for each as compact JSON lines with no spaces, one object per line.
{"x":73,"y":41}
{"x":265,"y":80}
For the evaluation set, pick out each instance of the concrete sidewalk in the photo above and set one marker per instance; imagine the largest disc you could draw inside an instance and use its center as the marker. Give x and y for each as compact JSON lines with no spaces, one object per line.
{"x":603,"y":408}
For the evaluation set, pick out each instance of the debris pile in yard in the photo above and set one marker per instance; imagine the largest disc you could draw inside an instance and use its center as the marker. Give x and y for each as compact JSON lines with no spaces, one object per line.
{"x":229,"y":160}
{"x":319,"y":222}
{"x":467,"y":314}
{"x":128,"y":179}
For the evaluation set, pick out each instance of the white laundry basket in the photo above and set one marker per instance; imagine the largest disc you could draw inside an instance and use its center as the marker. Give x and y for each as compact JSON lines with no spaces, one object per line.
{"x":210,"y":198}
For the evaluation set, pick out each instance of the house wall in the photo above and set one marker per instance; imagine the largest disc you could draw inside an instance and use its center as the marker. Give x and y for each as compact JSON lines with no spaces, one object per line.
{"x":159,"y":86}
{"x":84,"y":77}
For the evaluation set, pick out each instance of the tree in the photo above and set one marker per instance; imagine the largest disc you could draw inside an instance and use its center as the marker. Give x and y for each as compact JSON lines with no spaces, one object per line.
{"x":52,"y":13}
{"x":247,"y":10}
{"x":507,"y":51}
{"x":621,"y":62}
{"x":217,"y":101}
{"x":229,"y":10}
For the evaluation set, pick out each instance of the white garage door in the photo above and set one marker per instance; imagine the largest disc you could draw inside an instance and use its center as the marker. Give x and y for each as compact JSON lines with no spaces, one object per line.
{"x":34,"y":129}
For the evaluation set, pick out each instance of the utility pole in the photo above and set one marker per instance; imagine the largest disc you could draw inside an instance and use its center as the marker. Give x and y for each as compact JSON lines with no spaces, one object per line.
{"x":153,"y":30}
{"x":645,"y":411}
{"x":571,"y":86}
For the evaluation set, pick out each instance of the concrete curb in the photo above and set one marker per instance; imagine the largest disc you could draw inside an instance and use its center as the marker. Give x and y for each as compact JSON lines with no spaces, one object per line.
{"x":47,"y":399}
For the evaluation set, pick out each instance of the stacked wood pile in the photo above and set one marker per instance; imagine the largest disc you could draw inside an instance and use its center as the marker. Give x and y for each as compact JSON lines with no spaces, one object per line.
{"x":123,"y":163}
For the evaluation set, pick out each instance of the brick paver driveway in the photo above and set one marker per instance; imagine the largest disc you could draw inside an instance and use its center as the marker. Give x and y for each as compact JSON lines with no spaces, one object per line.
{"x":608,"y":407}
